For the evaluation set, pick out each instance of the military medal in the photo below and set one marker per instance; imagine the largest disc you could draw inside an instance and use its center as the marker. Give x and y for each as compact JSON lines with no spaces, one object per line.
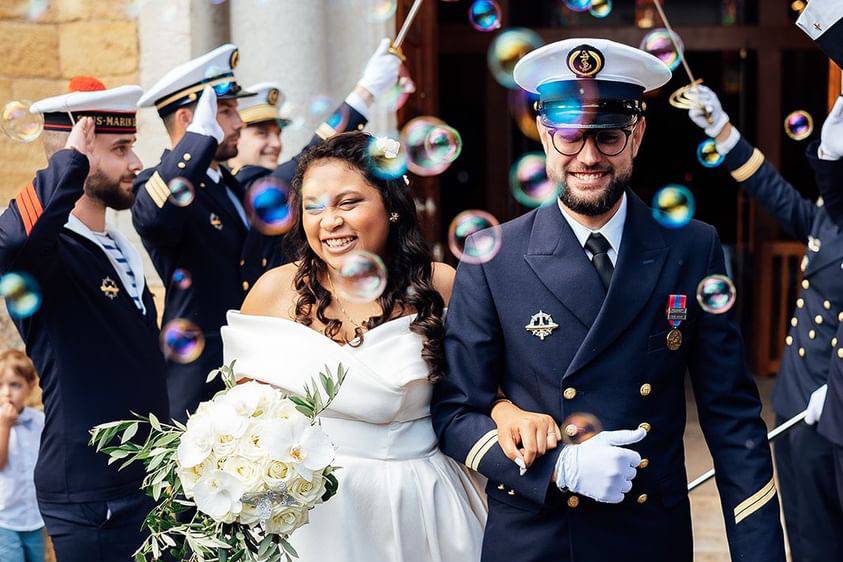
{"x":541,"y":325}
{"x":215,"y":221}
{"x":677,"y":312}
{"x":109,"y":288}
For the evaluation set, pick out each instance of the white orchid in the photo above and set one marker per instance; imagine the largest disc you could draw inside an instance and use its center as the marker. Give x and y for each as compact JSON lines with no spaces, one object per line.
{"x":197,"y":442}
{"x":189,"y":476}
{"x":306,"y":448}
{"x":228,"y":428}
{"x":244,"y":398}
{"x":217,"y":494}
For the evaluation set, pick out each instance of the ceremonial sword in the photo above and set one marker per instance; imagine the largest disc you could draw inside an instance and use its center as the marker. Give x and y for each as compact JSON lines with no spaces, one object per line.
{"x":395,"y":48}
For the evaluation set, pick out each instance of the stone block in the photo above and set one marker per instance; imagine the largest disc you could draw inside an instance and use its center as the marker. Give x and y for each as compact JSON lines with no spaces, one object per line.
{"x":29,"y":50}
{"x":98,"y":48}
{"x":34,"y":89}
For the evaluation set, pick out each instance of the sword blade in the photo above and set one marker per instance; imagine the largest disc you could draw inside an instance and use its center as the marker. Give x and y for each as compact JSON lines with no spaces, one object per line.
{"x":405,"y":27}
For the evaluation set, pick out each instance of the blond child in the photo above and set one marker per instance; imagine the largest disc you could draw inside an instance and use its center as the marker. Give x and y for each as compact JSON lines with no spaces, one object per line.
{"x":21,"y":536}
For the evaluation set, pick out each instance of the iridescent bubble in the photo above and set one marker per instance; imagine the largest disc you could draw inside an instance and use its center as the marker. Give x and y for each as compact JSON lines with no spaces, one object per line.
{"x":485,"y":233}
{"x":387,"y":164}
{"x":522,"y":106}
{"x":484,"y":15}
{"x":443,"y":144}
{"x":799,"y":125}
{"x":716,"y":294}
{"x":22,"y":294}
{"x":673,"y":206}
{"x":268,"y":205}
{"x":507,"y":49}
{"x":182,"y":279}
{"x":578,"y":5}
{"x":363,"y":277}
{"x":600,"y":8}
{"x":707,"y":154}
{"x":338,"y":119}
{"x":320,"y":106}
{"x":182,"y":192}
{"x":214,"y":76}
{"x":19,"y":123}
{"x":414,"y":141}
{"x":658,"y":43}
{"x":382,"y":10}
{"x":397,"y":95}
{"x":529,"y":182}
{"x":579,"y":427}
{"x":182,"y":341}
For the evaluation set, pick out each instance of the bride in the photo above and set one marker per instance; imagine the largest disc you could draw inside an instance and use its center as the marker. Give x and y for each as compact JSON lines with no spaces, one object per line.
{"x":400,"y":499}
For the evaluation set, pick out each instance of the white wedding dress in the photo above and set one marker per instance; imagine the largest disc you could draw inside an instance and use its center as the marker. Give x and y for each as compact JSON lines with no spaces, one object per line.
{"x":400,"y":499}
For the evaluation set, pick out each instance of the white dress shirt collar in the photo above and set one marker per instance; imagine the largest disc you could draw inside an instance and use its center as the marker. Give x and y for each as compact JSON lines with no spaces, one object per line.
{"x":612,"y":230}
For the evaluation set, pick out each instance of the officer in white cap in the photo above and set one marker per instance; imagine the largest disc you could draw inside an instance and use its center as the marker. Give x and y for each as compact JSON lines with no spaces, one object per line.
{"x":259,"y":146}
{"x":603,"y":321}
{"x":94,"y":338}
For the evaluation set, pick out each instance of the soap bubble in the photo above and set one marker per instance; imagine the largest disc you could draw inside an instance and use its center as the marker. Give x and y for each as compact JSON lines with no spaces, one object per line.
{"x":484,"y":15}
{"x":707,"y":154}
{"x":658,"y":43}
{"x":716,"y":294}
{"x":673,"y":206}
{"x":485,"y":232}
{"x":182,"y":341}
{"x":182,"y":192}
{"x":507,"y":49}
{"x":363,"y":277}
{"x":579,"y":427}
{"x":799,"y":125}
{"x":19,"y":124}
{"x":22,"y":294}
{"x":269,"y":207}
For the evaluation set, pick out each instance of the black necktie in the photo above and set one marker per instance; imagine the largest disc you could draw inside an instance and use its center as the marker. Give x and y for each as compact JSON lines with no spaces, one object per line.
{"x":599,"y":247}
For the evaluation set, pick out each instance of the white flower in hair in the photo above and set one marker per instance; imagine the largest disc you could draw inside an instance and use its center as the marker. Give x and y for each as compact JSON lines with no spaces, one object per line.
{"x":389,"y":147}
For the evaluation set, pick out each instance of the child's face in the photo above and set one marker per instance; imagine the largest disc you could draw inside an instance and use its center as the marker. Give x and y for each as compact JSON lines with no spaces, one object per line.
{"x":14,"y":389}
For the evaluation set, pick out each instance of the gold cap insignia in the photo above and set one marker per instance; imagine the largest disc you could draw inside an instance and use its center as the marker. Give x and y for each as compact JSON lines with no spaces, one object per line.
{"x":541,"y":325}
{"x":235,"y":58}
{"x":109,"y":288}
{"x":585,"y":61}
{"x":215,"y":221}
{"x":272,"y":96}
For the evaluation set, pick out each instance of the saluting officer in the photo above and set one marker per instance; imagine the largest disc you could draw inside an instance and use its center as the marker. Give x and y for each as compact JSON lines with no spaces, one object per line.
{"x":94,"y":339}
{"x":589,"y":307}
{"x":803,"y":456}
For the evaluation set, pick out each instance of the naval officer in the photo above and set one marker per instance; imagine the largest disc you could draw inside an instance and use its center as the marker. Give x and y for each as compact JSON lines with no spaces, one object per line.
{"x":94,"y":339}
{"x":589,"y":307}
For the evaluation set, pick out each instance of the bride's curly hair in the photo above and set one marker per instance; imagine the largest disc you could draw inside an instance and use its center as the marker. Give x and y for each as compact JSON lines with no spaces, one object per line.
{"x":409,"y":285}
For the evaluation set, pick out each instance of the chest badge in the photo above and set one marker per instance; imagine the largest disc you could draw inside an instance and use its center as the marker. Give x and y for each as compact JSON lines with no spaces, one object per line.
{"x":215,"y":221}
{"x":541,"y":325}
{"x":109,"y":288}
{"x":677,"y":312}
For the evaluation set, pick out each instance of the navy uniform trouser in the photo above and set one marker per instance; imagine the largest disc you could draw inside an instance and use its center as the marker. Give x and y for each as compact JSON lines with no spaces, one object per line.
{"x":838,"y":471}
{"x":98,"y":531}
{"x":809,"y":493}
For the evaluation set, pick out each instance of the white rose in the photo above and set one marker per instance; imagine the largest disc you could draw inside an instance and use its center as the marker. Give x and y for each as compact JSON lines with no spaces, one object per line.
{"x":286,"y":520}
{"x":228,"y":427}
{"x":248,"y":472}
{"x":197,"y":442}
{"x":303,"y":446}
{"x":190,"y":476}
{"x":249,"y":444}
{"x":276,"y":473}
{"x":307,"y":493}
{"x":218,"y":494}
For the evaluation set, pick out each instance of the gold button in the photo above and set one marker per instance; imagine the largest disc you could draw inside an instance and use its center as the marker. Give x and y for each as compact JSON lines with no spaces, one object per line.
{"x":645,"y":426}
{"x":263,"y":262}
{"x":360,"y":127}
{"x":187,"y":157}
{"x":571,"y":429}
{"x":511,"y":493}
{"x":833,"y":342}
{"x":642,"y":498}
{"x":181,"y":165}
{"x":569,"y":393}
{"x":201,"y":184}
{"x":646,"y":389}
{"x":501,"y":487}
{"x":818,"y":319}
{"x":801,"y":352}
{"x":573,"y":501}
{"x":805,"y":284}
{"x":789,"y":340}
{"x":644,"y":463}
{"x":794,"y":321}
{"x":812,"y":334}
{"x":827,"y":305}
{"x":245,"y":285}
{"x":242,"y":263}
{"x":840,"y":353}
{"x":800,"y":303}
{"x":840,"y":317}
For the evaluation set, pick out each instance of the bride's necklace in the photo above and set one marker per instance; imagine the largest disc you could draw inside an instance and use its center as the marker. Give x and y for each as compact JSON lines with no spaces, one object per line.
{"x":340,"y":306}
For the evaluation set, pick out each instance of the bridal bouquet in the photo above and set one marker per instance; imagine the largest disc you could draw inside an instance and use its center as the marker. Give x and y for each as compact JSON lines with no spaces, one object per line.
{"x":239,"y":478}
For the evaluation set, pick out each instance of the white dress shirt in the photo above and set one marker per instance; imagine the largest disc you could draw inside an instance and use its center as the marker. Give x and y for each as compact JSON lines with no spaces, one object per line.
{"x":18,"y":506}
{"x":611,"y":231}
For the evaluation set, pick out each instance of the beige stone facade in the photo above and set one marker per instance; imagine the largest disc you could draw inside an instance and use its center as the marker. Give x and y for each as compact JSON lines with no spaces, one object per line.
{"x":71,"y":37}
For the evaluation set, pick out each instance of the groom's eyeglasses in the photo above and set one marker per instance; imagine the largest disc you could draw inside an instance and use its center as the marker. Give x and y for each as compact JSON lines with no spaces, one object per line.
{"x":570,"y":142}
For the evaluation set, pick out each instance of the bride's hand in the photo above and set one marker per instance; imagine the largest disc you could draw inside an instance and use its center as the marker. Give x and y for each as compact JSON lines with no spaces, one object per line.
{"x":522,"y":434}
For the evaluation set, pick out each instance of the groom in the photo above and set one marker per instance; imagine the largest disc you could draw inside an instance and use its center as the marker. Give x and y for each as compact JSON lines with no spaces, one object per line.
{"x":590,"y":307}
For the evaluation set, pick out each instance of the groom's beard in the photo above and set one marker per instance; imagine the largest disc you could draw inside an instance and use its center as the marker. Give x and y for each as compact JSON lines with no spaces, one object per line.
{"x":600,"y":205}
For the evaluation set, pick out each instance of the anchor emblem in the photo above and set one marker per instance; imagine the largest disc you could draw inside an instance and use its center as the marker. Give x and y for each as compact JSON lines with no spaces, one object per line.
{"x":541,"y":325}
{"x":109,"y":288}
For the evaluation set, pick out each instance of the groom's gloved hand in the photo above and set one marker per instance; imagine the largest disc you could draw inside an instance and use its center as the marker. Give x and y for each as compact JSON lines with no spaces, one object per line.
{"x":381,"y":71}
{"x":205,"y":116}
{"x":600,"y":468}
{"x":710,"y":108}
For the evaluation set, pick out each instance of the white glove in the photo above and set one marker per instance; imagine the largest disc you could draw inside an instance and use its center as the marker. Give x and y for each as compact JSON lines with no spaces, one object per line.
{"x":815,"y":405}
{"x":708,"y":99}
{"x":205,"y":116}
{"x":381,"y":71}
{"x":599,"y":468}
{"x":831,"y":144}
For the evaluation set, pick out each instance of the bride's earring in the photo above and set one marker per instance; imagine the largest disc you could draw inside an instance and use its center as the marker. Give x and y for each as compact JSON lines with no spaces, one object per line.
{"x":393,"y":217}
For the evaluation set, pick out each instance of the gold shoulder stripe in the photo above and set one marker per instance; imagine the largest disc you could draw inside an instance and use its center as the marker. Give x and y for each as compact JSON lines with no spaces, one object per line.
{"x":755,"y":502}
{"x":480,"y":448}
{"x":325,"y":131}
{"x":157,"y":190}
{"x":749,"y":167}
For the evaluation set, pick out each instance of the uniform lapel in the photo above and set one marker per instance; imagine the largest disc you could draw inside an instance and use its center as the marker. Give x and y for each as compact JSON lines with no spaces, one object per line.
{"x":831,"y":250}
{"x":556,"y":257}
{"x":216,"y":191}
{"x":640,"y":260}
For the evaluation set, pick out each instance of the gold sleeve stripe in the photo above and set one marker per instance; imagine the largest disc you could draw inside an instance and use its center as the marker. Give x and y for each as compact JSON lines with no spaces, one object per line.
{"x":157,"y":189}
{"x":749,"y":167}
{"x":480,"y":448}
{"x":755,"y":502}
{"x":325,"y":131}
